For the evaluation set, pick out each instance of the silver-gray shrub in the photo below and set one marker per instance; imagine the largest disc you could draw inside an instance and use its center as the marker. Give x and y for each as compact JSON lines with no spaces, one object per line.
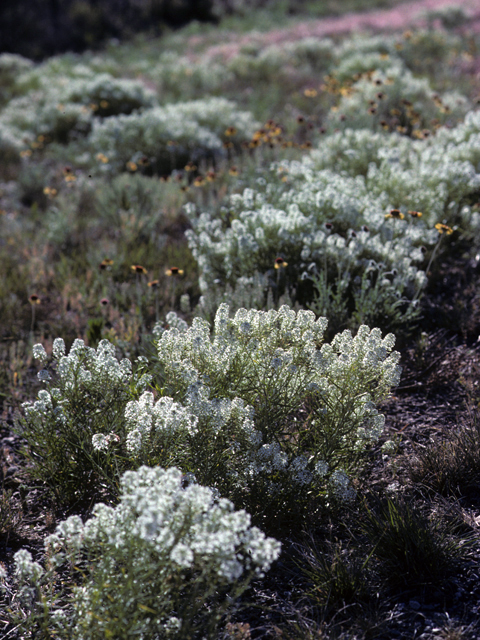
{"x":121,"y":95}
{"x":63,"y":107}
{"x":171,"y":134}
{"x":438,"y":176}
{"x":166,"y":562}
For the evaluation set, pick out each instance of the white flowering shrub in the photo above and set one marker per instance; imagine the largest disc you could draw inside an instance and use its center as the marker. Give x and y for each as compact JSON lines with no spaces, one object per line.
{"x":10,"y":144}
{"x":166,"y":562}
{"x":39,"y":115}
{"x":391,"y":89}
{"x":63,"y":110}
{"x":262,"y":410}
{"x":303,"y":57}
{"x":438,"y":176}
{"x":110,"y":96}
{"x":12,"y":66}
{"x":184,"y":79}
{"x":327,"y":228}
{"x":85,"y":396}
{"x":168,"y":136}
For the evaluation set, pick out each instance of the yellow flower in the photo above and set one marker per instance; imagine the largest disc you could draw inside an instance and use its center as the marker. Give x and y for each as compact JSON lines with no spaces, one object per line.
{"x":105,"y":264}
{"x":443,"y":228}
{"x":138,"y":269}
{"x":174,"y":271}
{"x":396,"y":214}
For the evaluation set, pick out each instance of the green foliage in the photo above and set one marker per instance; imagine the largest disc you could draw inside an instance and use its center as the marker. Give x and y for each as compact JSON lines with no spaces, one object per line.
{"x":337,"y":575}
{"x":411,"y":551}
{"x":451,"y":466}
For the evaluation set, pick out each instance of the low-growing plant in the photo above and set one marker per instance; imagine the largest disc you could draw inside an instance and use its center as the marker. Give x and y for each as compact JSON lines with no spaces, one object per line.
{"x":451,"y":466}
{"x":167,"y":562}
{"x":10,"y":515}
{"x":320,"y":232}
{"x":411,"y":551}
{"x":12,"y":66}
{"x":169,"y":136}
{"x":337,"y":575}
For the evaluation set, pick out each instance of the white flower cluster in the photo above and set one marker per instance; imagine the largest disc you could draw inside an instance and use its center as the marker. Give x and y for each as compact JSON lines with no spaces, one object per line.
{"x":146,"y":420}
{"x":396,"y":84}
{"x":11,"y":66}
{"x":67,"y":102}
{"x":325,"y":223}
{"x":119,"y":94}
{"x":86,"y":365}
{"x":162,"y":546}
{"x":180,"y":77}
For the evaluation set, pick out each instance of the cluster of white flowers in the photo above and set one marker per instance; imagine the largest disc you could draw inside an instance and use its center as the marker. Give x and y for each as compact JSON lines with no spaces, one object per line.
{"x":145,"y":419}
{"x":140,"y":550}
{"x":86,"y":365}
{"x":82,"y":408}
{"x":119,"y":94}
{"x":397,"y":84}
{"x":12,"y":65}
{"x":180,"y":77}
{"x":62,"y":103}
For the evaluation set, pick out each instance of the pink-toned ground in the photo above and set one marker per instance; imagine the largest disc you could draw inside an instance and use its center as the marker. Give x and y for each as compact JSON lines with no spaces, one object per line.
{"x":403,"y":16}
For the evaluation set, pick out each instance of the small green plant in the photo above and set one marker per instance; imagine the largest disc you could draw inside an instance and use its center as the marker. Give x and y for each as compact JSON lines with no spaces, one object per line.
{"x":167,"y":562}
{"x":410,"y":550}
{"x":452,"y":466}
{"x":10,"y":515}
{"x":337,"y":574}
